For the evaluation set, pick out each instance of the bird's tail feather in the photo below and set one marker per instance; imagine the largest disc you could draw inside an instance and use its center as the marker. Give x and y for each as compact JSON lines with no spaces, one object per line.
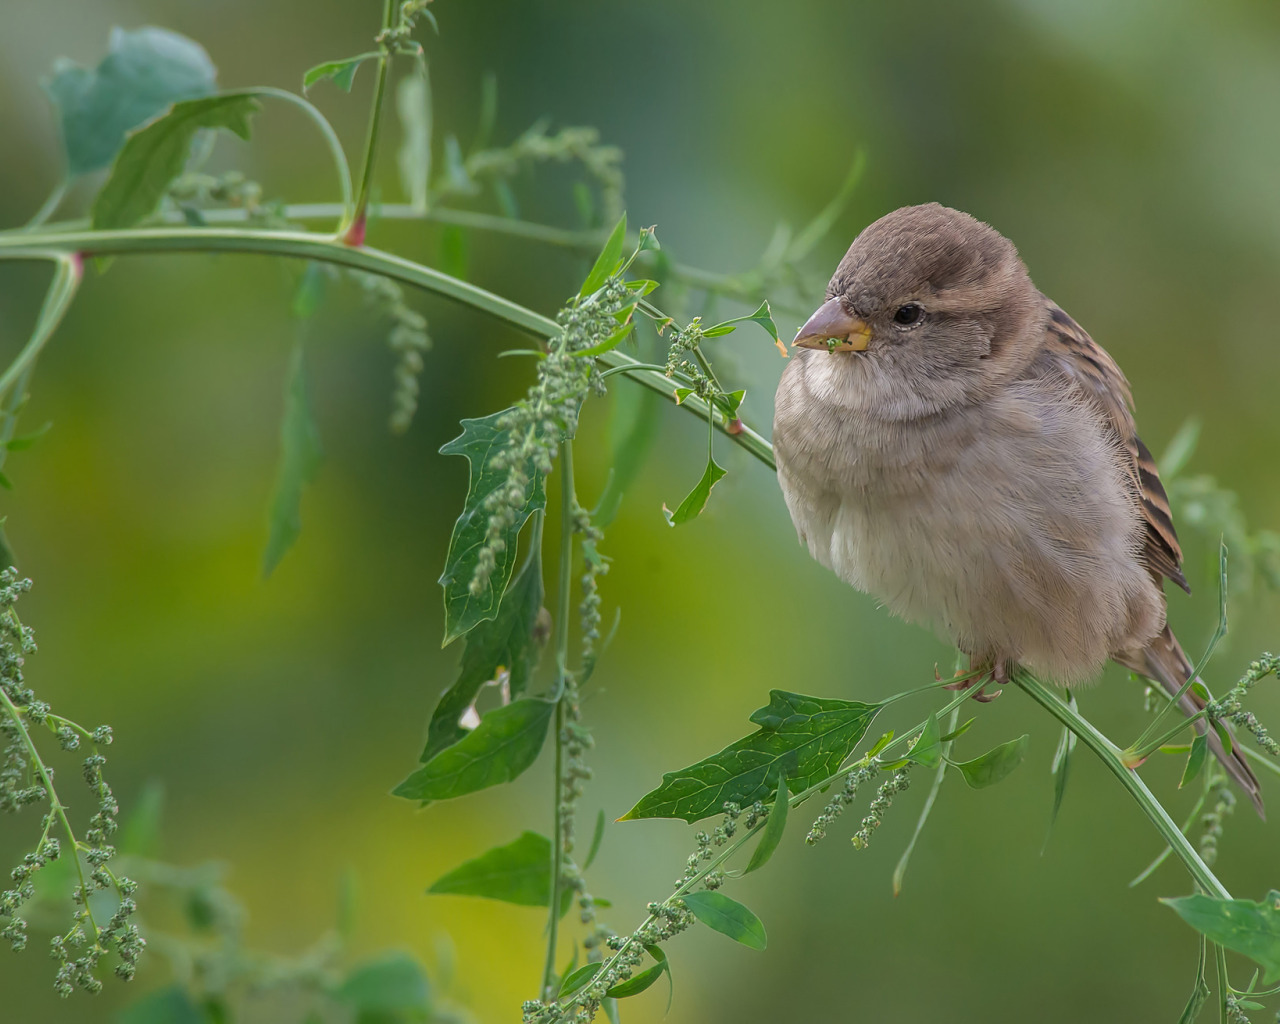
{"x":1163,"y":661}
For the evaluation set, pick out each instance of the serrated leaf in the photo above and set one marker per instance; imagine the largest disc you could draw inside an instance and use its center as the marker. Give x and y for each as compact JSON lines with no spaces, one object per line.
{"x":608,"y":260}
{"x":144,"y":71}
{"x":774,"y":826}
{"x":156,"y":154}
{"x":341,"y":72}
{"x":507,"y":643}
{"x":499,"y":749}
{"x":300,"y":458}
{"x":1195,"y":759}
{"x":596,"y":839}
{"x":1247,"y":927}
{"x":727,"y":916}
{"x":480,"y":440}
{"x":413,"y":104}
{"x":927,"y":749}
{"x":519,"y":872}
{"x":637,"y":983}
{"x":395,"y":983}
{"x":697,"y":498}
{"x":805,"y":738}
{"x":995,"y":764}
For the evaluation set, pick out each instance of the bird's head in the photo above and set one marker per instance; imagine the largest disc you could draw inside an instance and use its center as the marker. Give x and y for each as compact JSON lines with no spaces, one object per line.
{"x":930,"y":300}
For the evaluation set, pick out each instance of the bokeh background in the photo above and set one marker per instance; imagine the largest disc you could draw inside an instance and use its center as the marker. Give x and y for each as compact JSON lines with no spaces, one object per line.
{"x":1129,"y":149}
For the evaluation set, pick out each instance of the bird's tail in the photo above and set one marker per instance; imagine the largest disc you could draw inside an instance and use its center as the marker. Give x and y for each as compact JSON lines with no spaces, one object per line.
{"x":1163,"y":661}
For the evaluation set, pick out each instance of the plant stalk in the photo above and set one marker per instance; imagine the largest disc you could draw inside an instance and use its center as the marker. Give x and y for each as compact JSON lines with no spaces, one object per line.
{"x":355,"y":233}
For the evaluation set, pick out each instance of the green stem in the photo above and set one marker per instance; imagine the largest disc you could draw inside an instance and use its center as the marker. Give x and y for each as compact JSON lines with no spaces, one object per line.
{"x":311,"y":246}
{"x":58,"y":298}
{"x":50,"y":205}
{"x":564,"y":602}
{"x":355,"y":234}
{"x":346,"y":212}
{"x":1110,"y":755}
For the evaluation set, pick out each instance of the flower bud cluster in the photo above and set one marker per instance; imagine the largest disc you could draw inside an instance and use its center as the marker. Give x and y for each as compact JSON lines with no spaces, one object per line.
{"x":24,"y":780}
{"x":894,"y":785}
{"x":408,"y":341}
{"x":1230,"y":705}
{"x":835,"y":807}
{"x":1224,"y":803}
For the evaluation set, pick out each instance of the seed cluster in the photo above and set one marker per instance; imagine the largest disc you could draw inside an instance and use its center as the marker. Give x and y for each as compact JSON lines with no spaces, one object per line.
{"x":836,"y":805}
{"x":26,"y":780}
{"x":891,"y":787}
{"x":1224,"y":803}
{"x":1230,"y":705}
{"x":408,"y":341}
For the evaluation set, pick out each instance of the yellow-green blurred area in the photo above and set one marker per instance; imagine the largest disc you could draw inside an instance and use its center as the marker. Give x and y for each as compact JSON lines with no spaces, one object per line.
{"x":1130,"y":151}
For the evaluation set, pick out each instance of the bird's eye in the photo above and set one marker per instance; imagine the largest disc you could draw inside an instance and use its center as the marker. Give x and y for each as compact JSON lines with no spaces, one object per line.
{"x":909,"y":315}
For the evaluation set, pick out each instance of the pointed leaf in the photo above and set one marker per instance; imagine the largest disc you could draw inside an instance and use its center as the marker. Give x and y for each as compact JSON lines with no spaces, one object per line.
{"x":995,"y":764}
{"x":728,"y":917}
{"x":579,"y":978}
{"x":609,"y":344}
{"x":506,"y":644}
{"x":501,"y":747}
{"x":519,"y":872}
{"x":762,"y":316}
{"x":1060,"y":768}
{"x":608,"y":260}
{"x":341,"y":72}
{"x":637,"y":983}
{"x":156,"y":154}
{"x":1243,"y":926}
{"x":805,"y":738}
{"x":596,"y":839}
{"x":696,"y":501}
{"x":300,"y":458}
{"x":927,"y":749}
{"x":392,"y":984}
{"x":1195,"y":760}
{"x":144,"y":71}
{"x":480,"y":440}
{"x":774,"y":826}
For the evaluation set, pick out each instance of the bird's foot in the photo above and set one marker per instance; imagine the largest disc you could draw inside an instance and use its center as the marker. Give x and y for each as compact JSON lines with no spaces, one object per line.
{"x":997,"y":672}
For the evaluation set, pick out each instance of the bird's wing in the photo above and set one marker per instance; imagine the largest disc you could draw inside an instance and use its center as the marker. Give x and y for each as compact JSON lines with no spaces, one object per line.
{"x":1086,"y":363}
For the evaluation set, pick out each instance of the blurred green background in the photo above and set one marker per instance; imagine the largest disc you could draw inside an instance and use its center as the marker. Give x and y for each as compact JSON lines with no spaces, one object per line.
{"x":1129,"y":149}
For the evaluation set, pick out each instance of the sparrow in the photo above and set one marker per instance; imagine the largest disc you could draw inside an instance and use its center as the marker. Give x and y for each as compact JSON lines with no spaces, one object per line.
{"x":951,"y":442}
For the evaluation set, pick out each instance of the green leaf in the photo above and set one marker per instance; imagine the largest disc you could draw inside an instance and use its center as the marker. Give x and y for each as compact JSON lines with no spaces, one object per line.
{"x":939,"y":775}
{"x":730,"y":402}
{"x":480,"y":440}
{"x":341,"y":72}
{"x":696,"y":500}
{"x":454,"y":255}
{"x":609,"y":344}
{"x":5,"y":482}
{"x":144,"y":71}
{"x":500,"y":748}
{"x":169,"y":1005}
{"x":519,"y":873}
{"x":507,"y":643}
{"x":300,"y":458}
{"x":1180,"y":449}
{"x":608,"y":260}
{"x":728,"y":917}
{"x":927,"y":749}
{"x":637,"y":983}
{"x":762,"y":316}
{"x":24,"y":441}
{"x":995,"y":764}
{"x":310,"y":291}
{"x":578,"y":978}
{"x":394,"y":983}
{"x":413,"y":104}
{"x":957,"y":733}
{"x":803,"y":738}
{"x":1243,"y":926}
{"x":156,"y":154}
{"x":1200,"y":992}
{"x":774,"y":826}
{"x":140,"y":834}
{"x":596,"y":839}
{"x":1195,"y":759}
{"x":1060,"y":768}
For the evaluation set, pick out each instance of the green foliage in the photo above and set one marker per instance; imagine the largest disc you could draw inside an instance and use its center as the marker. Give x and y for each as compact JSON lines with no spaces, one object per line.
{"x":519,"y":872}
{"x":638,"y":983}
{"x":504,"y":648}
{"x":802,"y":738}
{"x":1248,"y":927}
{"x":609,"y":260}
{"x":696,"y":500}
{"x":466,"y":604}
{"x":300,"y":458}
{"x":995,"y":765}
{"x":168,"y":1005}
{"x":340,"y":72}
{"x":927,"y":748}
{"x":728,"y":917}
{"x":391,"y":988}
{"x":144,"y":71}
{"x":773,"y":828}
{"x":500,"y":748}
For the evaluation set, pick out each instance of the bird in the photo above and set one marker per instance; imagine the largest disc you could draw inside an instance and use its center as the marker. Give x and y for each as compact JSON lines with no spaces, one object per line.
{"x":951,"y":442}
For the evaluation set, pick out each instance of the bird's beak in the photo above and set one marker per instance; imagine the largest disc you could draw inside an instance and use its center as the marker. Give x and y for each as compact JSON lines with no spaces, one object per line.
{"x":834,"y":330}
